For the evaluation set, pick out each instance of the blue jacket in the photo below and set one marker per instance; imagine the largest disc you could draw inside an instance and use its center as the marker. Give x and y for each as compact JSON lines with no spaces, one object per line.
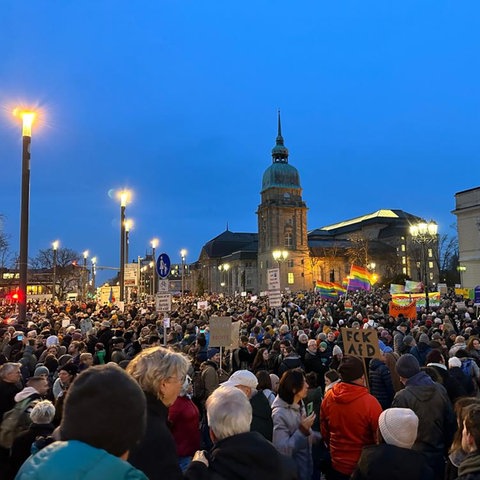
{"x":74,"y":460}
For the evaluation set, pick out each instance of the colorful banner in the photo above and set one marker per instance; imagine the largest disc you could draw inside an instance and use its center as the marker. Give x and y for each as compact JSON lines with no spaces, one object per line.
{"x":413,"y":287}
{"x":405,"y":299}
{"x":395,"y":288}
{"x":408,"y":311}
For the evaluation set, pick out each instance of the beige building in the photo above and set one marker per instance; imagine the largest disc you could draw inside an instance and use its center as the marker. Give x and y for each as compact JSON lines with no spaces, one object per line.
{"x":467,"y":210}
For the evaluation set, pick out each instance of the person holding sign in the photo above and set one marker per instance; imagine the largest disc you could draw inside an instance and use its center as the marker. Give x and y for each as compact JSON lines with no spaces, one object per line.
{"x":348,"y":418}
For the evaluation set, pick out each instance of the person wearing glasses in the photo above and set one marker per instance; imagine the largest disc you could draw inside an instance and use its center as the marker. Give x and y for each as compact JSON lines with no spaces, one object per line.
{"x":161,"y":373}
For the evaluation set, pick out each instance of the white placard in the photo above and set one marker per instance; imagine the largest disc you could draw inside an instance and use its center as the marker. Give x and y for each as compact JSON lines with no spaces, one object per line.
{"x":163,"y":302}
{"x":273,"y":278}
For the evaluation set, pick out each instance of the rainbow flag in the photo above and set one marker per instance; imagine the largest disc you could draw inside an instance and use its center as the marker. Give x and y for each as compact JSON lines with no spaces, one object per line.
{"x":413,"y":287}
{"x":359,"y":279}
{"x":326,"y":290}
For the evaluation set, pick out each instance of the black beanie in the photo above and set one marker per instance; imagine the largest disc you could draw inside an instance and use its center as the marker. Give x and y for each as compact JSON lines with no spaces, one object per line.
{"x":104,"y":408}
{"x":351,"y":368}
{"x":407,"y":366}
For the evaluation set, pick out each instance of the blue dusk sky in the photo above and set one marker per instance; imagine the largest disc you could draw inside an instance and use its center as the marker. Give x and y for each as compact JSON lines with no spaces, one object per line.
{"x":177,"y":100}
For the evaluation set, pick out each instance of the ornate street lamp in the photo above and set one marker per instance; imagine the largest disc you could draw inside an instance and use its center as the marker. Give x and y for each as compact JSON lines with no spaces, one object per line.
{"x":124,"y":198}
{"x":280,"y":256}
{"x":424,"y":233}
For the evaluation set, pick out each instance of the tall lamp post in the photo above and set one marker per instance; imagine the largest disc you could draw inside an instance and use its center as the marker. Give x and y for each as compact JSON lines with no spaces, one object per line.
{"x":55,"y":245}
{"x":128,"y":226}
{"x":154,"y":243}
{"x":183,"y":255}
{"x":280,"y":256}
{"x":225,"y":267}
{"x":124,"y":195}
{"x":424,"y":234}
{"x":27,"y":121}
{"x":85,"y":274}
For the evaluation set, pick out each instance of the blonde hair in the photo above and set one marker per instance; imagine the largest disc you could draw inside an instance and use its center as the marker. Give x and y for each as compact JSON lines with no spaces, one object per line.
{"x":155,"y":364}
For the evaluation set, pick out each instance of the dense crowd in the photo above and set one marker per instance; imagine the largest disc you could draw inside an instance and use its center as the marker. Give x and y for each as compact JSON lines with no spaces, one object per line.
{"x":89,"y":391}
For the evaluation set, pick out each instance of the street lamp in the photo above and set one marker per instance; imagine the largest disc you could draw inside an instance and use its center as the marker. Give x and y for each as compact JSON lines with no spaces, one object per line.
{"x":280,"y":256}
{"x":94,"y":263}
{"x":55,"y":245}
{"x":373,"y":276}
{"x":85,"y":274}
{"x":154,"y":243}
{"x":225,"y":267}
{"x":183,"y":254}
{"x":124,"y":197}
{"x":28,"y":118}
{"x":424,"y":233}
{"x":128,"y":226}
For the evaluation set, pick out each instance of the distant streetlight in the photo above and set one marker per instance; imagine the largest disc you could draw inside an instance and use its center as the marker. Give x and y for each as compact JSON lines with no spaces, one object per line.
{"x":124,"y":198}
{"x":55,"y":246}
{"x":225,"y":267}
{"x":424,"y":233}
{"x":183,"y":255}
{"x":373,"y":276}
{"x":154,"y":243}
{"x":28,"y":118}
{"x":85,"y":274}
{"x":280,"y":256}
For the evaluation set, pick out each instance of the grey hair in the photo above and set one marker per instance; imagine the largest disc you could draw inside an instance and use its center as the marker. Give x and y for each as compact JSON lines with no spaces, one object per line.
{"x":43,"y":412}
{"x":8,"y":368}
{"x":155,"y":364}
{"x":229,"y":412}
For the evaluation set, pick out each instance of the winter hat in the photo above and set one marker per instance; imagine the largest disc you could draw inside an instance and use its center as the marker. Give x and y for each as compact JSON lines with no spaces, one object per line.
{"x":398,"y":426}
{"x":423,"y":338}
{"x":336,"y":350}
{"x":454,"y":362}
{"x":407,"y":366}
{"x":211,"y":352}
{"x":70,"y":368}
{"x":323,"y":345}
{"x":408,"y":340}
{"x":384,"y":348}
{"x":41,"y":370}
{"x":244,"y":378}
{"x":351,"y":368}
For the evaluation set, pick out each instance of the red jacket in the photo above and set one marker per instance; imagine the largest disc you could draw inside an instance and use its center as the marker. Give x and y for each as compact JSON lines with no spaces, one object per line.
{"x":348,"y":422}
{"x":184,"y":420}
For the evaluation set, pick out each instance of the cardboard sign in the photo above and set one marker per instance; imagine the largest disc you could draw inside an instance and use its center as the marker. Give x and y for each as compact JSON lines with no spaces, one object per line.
{"x":235,"y":335}
{"x":220,"y":331}
{"x":361,"y":343}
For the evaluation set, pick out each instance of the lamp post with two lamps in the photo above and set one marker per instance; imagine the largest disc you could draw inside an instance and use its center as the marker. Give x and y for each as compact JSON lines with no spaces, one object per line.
{"x":183,"y":255}
{"x":28,"y":118}
{"x":225,"y":267}
{"x":424,"y":234}
{"x":124,"y":197}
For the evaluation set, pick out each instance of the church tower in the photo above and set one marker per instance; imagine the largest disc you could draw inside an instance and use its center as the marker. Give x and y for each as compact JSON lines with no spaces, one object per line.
{"x":282,"y":222}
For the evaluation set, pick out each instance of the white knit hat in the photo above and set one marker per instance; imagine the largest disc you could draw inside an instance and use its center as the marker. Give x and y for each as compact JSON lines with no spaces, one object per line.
{"x":398,"y":426}
{"x":454,"y":362}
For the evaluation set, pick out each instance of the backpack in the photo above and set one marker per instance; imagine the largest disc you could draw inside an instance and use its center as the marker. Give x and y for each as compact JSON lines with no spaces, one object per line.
{"x":198,"y":386}
{"x":15,"y":421}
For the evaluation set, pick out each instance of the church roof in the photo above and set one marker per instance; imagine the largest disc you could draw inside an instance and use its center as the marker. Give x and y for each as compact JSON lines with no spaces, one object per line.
{"x":229,"y":242}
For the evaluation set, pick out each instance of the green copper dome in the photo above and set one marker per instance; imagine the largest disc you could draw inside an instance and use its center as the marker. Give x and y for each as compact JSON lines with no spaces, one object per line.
{"x":280,"y":174}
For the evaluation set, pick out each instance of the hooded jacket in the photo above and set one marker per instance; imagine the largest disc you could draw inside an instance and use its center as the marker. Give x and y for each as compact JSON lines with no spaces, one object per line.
{"x":74,"y":459}
{"x":432,"y":406}
{"x":381,"y":386}
{"x":348,"y":422}
{"x":469,"y":469}
{"x":243,"y":456}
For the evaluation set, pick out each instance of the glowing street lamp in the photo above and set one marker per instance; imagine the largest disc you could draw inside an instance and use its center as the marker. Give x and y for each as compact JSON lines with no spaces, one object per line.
{"x":28,"y":118}
{"x":183,"y":255}
{"x":280,"y":256}
{"x":154,"y":243}
{"x":124,"y":196}
{"x":424,"y":233}
{"x":55,"y":246}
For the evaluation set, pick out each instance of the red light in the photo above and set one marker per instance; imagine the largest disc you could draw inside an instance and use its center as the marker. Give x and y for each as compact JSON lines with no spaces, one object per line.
{"x":15,"y":296}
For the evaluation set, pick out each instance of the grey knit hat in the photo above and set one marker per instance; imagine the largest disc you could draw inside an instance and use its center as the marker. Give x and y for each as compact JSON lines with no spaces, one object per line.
{"x":407,"y":366}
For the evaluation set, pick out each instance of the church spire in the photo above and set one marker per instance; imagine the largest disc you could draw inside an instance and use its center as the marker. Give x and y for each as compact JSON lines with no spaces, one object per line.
{"x":279,"y":151}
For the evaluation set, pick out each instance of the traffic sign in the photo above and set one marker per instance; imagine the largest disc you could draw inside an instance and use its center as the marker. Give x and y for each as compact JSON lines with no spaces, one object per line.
{"x":163,"y":286}
{"x":163,"y":265}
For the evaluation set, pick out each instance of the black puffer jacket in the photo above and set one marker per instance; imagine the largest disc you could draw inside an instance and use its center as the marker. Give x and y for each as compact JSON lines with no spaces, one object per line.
{"x":379,"y":462}
{"x":380,"y":383}
{"x":245,"y":456}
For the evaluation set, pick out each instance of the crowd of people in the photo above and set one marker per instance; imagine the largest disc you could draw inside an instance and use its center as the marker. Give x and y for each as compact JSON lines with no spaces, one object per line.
{"x":89,"y":391}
